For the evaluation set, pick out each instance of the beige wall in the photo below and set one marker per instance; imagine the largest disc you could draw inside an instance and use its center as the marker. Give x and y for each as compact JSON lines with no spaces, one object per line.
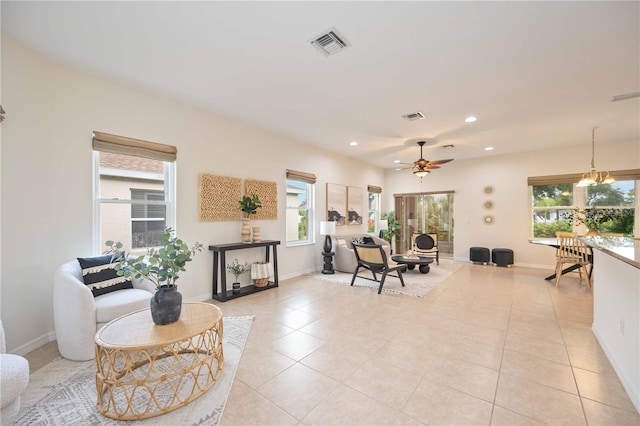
{"x":508,"y":174}
{"x":47,"y":194}
{"x":46,"y":148}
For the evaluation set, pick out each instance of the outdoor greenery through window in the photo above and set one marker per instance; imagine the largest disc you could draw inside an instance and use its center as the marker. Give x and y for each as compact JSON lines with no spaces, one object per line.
{"x":373,"y":214}
{"x":619,"y":197}
{"x":299,"y":212}
{"x":552,"y":204}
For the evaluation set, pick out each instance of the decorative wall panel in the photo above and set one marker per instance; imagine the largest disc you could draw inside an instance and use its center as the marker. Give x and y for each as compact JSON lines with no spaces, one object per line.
{"x":219,"y":197}
{"x":268,"y":193}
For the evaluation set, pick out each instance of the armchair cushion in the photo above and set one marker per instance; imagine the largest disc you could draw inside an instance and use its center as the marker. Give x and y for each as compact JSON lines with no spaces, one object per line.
{"x":99,"y":274}
{"x":115,"y":304}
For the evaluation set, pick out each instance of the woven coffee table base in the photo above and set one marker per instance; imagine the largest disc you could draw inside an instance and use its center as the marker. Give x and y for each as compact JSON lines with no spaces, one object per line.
{"x":137,"y":383}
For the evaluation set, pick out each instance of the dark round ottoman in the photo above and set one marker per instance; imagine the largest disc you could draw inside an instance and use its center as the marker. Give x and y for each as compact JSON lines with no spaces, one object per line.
{"x":479,"y":254}
{"x":502,"y":256}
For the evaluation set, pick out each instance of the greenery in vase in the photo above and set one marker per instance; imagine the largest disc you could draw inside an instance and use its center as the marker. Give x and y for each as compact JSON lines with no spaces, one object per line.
{"x":236,"y":269}
{"x":393,"y":225}
{"x":593,"y":218}
{"x":250,"y":205}
{"x":161,"y":265}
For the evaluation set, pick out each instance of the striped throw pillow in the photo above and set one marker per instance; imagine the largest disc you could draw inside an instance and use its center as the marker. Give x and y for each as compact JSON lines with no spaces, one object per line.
{"x":100,"y":276}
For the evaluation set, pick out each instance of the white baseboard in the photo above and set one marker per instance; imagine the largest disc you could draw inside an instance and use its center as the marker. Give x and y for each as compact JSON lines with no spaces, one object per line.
{"x":632,"y":393}
{"x":35,"y":343}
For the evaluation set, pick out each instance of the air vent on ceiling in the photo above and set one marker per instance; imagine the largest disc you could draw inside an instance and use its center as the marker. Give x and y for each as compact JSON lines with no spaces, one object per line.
{"x":330,"y":42}
{"x":413,"y":116}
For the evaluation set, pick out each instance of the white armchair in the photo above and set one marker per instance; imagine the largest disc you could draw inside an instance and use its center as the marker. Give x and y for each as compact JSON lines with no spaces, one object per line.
{"x":14,"y":377}
{"x":78,"y":315}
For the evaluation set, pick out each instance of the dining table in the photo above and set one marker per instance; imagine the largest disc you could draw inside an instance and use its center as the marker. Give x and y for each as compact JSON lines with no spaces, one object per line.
{"x":555,"y":243}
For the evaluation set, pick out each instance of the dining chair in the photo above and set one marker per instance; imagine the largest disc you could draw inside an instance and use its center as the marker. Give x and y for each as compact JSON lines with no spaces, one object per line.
{"x":372,"y":257}
{"x":611,"y":234}
{"x":572,"y":251}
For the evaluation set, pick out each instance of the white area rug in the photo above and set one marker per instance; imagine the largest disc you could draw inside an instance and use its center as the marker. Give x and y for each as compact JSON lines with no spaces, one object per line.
{"x":416,"y":283}
{"x":64,"y":392}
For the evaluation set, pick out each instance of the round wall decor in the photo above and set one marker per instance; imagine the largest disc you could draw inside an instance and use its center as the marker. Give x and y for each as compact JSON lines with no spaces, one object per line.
{"x":488,"y":190}
{"x":488,"y":219}
{"x":489,"y":204}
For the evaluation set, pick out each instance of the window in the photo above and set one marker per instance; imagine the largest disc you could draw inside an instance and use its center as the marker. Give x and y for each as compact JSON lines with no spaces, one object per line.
{"x":620,"y":196}
{"x":133,"y":193}
{"x":148,"y":219}
{"x":553,"y":197}
{"x":373,"y":209}
{"x":550,"y":203}
{"x":300,"y":201}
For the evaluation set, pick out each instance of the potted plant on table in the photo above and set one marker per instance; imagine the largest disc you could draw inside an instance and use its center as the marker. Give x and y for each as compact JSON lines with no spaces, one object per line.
{"x":236,"y":269}
{"x":249,"y":206}
{"x":161,"y":265}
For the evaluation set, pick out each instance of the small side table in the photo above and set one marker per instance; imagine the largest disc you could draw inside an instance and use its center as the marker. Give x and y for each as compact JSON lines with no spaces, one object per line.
{"x":145,"y":370}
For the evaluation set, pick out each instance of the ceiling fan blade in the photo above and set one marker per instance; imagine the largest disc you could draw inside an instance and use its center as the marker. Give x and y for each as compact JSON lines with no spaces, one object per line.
{"x":437,"y":162}
{"x":431,"y":166}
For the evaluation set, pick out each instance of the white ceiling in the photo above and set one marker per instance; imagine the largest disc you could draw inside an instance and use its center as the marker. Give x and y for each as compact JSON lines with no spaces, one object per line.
{"x":536,"y":74}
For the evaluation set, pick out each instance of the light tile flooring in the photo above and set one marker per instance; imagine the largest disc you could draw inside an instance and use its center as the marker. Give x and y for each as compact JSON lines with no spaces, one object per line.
{"x":491,"y":345}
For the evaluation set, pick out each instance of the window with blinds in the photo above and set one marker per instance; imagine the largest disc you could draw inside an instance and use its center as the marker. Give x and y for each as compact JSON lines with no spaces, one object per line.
{"x":134,"y":183}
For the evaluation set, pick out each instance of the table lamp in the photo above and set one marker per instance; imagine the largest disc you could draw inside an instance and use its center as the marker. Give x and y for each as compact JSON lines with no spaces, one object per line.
{"x":383,"y":225}
{"x":328,"y":229}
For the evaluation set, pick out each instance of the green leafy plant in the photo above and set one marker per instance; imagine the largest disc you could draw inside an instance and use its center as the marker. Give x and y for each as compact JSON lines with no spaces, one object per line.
{"x":250,"y":205}
{"x":592,"y":217}
{"x":393,"y":225}
{"x":236,"y":269}
{"x":160,"y":265}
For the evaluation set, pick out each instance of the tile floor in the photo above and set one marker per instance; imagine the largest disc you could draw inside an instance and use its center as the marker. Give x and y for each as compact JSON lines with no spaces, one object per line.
{"x":490,"y":345}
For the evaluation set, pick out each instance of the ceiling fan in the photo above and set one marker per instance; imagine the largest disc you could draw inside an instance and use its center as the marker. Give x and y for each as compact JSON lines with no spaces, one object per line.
{"x":422,"y":167}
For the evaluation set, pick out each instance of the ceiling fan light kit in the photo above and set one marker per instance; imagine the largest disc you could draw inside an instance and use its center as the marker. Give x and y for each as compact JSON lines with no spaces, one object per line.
{"x":423,"y":167}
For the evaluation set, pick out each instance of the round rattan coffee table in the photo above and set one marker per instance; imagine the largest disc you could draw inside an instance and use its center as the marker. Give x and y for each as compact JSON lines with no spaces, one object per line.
{"x":145,"y":370}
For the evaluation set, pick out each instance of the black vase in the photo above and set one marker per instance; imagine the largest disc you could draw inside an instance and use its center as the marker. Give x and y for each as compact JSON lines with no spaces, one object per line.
{"x":166,"y":305}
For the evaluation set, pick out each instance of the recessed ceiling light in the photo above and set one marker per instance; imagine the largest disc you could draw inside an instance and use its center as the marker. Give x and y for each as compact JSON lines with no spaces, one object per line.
{"x":396,"y":161}
{"x":470,"y":119}
{"x":399,"y":168}
{"x":353,"y":143}
{"x":489,"y":148}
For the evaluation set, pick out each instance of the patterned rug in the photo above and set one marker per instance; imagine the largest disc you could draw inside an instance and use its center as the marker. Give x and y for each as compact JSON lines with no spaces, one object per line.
{"x":64,"y":392}
{"x":416,"y":284}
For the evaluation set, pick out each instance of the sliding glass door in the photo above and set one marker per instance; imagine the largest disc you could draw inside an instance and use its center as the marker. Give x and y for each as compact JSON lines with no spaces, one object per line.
{"x":425,"y":213}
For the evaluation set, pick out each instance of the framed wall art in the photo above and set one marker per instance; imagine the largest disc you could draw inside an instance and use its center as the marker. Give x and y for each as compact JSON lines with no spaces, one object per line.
{"x":355,"y":205}
{"x":336,"y":203}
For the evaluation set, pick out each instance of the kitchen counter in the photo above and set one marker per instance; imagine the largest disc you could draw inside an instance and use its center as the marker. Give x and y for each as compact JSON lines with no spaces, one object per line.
{"x":623,"y":248}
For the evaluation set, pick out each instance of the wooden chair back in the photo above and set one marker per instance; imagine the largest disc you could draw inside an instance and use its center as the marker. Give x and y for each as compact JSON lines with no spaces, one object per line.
{"x":371,"y":255}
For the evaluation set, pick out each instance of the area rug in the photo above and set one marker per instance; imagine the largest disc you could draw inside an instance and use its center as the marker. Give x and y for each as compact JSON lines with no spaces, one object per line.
{"x":64,"y":392}
{"x":416,"y":284}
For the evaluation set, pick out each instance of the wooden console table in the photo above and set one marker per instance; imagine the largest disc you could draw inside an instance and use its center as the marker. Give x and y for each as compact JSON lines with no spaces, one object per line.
{"x":220,"y":264}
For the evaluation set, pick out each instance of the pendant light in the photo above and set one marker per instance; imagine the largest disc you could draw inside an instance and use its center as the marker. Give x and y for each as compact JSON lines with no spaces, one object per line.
{"x":594,"y":177}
